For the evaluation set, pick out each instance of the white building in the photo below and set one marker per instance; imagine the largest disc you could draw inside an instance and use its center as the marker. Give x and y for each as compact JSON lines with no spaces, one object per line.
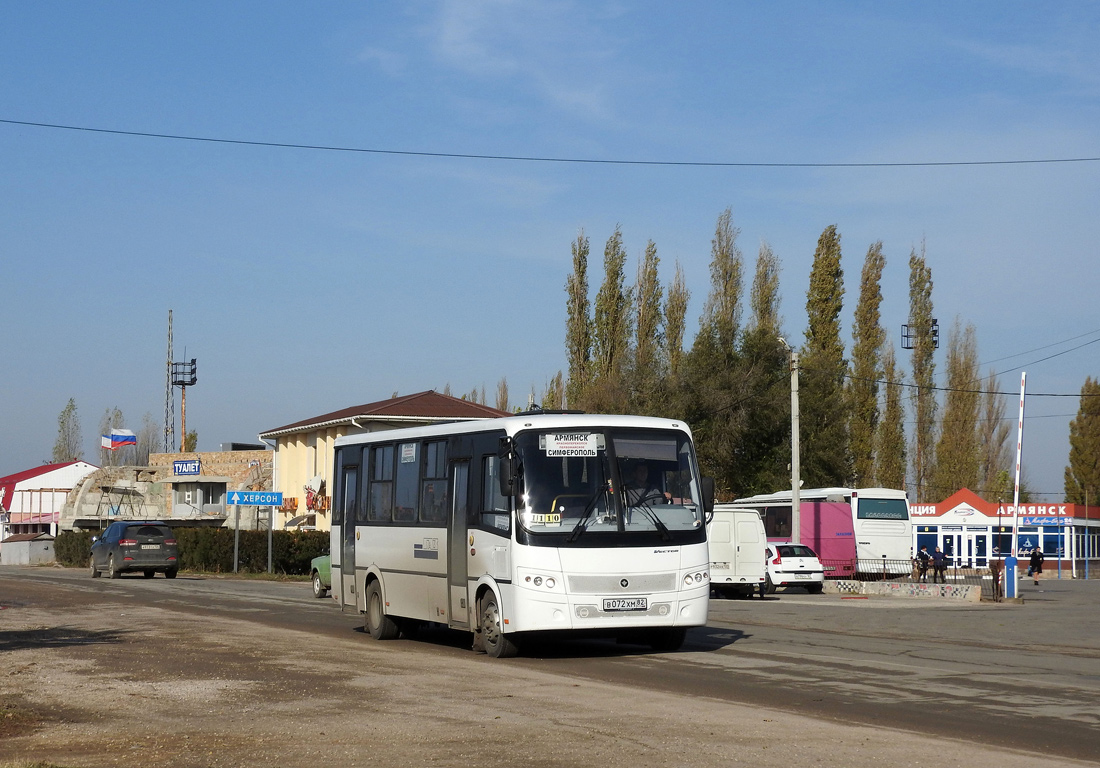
{"x":31,"y":500}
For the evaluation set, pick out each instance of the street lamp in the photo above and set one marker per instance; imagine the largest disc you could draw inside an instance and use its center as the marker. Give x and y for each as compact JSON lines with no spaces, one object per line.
{"x":796,"y":479}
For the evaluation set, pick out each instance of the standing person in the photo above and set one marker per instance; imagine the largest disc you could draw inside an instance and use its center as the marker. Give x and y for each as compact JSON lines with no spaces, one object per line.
{"x":1036,"y":564}
{"x":939,"y":567}
{"x":922,"y":564}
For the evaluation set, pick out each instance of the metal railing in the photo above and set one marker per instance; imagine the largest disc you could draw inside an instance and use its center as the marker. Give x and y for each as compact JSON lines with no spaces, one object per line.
{"x":911,"y":571}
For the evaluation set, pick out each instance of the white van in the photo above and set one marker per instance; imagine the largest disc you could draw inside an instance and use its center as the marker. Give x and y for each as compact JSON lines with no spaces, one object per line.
{"x":737,"y":551}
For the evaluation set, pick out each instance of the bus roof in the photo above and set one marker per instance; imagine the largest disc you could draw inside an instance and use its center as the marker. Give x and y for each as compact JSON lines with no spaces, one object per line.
{"x":513,"y":424}
{"x":818,"y":494}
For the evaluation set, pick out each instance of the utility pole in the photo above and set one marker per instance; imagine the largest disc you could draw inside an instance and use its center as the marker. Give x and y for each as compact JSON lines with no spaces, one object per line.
{"x":796,"y":471}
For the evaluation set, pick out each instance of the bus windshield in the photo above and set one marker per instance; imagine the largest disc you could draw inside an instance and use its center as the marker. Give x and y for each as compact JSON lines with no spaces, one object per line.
{"x":603,"y":485}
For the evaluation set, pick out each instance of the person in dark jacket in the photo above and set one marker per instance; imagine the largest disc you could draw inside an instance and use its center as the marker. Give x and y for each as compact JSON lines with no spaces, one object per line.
{"x":939,"y":567}
{"x":1036,"y":564}
{"x":923,"y":559}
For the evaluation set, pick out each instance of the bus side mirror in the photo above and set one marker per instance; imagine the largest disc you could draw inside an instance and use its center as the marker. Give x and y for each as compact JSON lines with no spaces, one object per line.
{"x":706,"y":485}
{"x":506,"y":473}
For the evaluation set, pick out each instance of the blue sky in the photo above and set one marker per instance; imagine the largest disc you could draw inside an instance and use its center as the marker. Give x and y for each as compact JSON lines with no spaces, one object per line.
{"x":304,"y":281}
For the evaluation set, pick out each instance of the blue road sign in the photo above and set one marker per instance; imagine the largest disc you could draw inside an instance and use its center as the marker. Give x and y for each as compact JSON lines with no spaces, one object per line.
{"x":255,"y":498}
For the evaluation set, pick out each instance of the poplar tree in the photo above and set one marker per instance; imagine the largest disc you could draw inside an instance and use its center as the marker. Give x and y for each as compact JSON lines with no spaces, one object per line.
{"x":823,"y":406}
{"x":502,"y":394}
{"x":890,"y":435}
{"x":1083,"y":471}
{"x":578,"y":328}
{"x":147,"y":439}
{"x":69,"y":444}
{"x":722,"y":312}
{"x":867,"y":340}
{"x":611,"y":331}
{"x":763,"y":461}
{"x":993,"y":459}
{"x":924,"y":368}
{"x":957,"y":454}
{"x":648,"y":368}
{"x":553,"y":397}
{"x":714,"y":392}
{"x":676,"y":302}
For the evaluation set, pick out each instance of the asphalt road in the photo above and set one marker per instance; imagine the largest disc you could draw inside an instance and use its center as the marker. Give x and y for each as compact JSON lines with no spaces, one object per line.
{"x":1021,"y":676}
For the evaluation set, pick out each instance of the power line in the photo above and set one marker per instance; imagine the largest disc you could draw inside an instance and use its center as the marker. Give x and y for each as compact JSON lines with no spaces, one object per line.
{"x":544,"y":159}
{"x":1037,"y":349}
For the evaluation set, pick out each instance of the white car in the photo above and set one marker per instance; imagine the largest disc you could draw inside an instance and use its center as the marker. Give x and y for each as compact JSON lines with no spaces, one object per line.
{"x":793,"y":565}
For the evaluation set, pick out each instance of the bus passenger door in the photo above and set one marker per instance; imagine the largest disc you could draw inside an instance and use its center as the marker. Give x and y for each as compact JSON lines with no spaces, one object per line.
{"x":343,"y":582}
{"x":457,"y":572}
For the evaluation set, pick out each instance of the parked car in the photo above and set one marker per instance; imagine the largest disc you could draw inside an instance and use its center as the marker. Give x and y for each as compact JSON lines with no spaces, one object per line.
{"x":320,"y":573}
{"x":793,"y":565}
{"x":135,"y":545}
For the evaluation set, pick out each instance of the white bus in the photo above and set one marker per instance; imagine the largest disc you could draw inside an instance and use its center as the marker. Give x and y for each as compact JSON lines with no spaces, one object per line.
{"x":538,"y":522}
{"x":851,"y":529}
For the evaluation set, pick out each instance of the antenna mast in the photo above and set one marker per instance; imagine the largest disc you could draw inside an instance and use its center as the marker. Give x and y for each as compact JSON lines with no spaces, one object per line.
{"x":169,"y":399}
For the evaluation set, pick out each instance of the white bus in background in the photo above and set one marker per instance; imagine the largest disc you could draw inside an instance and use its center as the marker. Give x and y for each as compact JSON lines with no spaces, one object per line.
{"x":530,"y":523}
{"x":851,"y":529}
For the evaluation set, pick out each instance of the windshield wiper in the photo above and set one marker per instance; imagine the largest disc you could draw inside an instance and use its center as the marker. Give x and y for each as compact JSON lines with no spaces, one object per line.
{"x":581,"y":525}
{"x":647,"y":510}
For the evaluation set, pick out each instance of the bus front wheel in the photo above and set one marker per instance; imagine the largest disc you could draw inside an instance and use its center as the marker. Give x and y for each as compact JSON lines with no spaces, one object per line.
{"x":380,"y":626}
{"x":494,"y":641}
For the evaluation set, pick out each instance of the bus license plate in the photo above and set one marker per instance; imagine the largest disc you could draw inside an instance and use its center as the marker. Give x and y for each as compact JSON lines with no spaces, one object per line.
{"x":625,"y":604}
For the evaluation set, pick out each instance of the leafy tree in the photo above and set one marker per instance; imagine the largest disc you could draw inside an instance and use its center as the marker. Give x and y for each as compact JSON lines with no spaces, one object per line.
{"x":763,"y":461}
{"x":676,"y":301}
{"x":867,"y":341}
{"x":611,"y":331}
{"x":823,"y":408}
{"x":578,"y":329}
{"x":69,"y":445}
{"x":924,"y":368}
{"x":722,"y":312}
{"x":993,"y":458}
{"x":764,"y":295}
{"x":1083,"y":471}
{"x":890,"y":435}
{"x":957,"y":453}
{"x":648,"y":367}
{"x":554,"y":396}
{"x":713,"y":392}
{"x":191,"y":441}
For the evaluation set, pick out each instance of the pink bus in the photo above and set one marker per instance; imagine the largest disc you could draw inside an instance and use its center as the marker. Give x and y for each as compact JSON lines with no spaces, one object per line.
{"x":865,"y":529}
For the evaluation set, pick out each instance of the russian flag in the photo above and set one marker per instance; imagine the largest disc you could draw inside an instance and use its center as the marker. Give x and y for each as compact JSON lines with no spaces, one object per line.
{"x":119,"y":438}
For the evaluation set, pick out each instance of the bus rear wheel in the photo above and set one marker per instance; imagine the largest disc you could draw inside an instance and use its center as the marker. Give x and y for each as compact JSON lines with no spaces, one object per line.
{"x":380,"y":626}
{"x":494,"y":641}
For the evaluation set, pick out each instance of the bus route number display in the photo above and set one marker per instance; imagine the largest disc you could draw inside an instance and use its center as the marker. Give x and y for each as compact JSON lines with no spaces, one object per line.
{"x":570,"y":444}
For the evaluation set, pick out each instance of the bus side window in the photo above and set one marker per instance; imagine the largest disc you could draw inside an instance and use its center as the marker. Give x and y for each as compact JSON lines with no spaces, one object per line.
{"x":433,"y":491}
{"x":407,"y":483}
{"x":380,"y":501}
{"x":494,"y":507}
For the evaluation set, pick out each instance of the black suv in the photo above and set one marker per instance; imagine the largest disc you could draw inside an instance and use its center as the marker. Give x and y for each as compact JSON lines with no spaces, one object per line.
{"x":135,"y":545}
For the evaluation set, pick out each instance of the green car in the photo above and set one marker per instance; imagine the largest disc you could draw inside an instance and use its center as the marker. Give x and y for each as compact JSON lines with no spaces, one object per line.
{"x":320,"y":572}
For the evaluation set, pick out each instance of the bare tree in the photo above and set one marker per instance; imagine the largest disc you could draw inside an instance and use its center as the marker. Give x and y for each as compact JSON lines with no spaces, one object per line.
{"x":147,"y":439}
{"x":502,"y":394}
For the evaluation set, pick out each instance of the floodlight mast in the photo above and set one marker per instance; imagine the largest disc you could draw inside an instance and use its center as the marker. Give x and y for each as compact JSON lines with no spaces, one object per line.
{"x":184,"y":375}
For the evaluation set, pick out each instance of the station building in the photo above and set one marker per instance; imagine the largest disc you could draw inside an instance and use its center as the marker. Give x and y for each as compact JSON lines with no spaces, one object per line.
{"x":304,"y":450}
{"x":971,"y":530}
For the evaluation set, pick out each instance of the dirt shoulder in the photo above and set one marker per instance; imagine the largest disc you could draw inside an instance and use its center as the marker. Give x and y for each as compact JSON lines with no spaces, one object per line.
{"x":87,"y":679}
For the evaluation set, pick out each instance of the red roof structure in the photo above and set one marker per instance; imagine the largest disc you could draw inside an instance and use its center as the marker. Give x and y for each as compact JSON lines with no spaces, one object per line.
{"x":7,"y":484}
